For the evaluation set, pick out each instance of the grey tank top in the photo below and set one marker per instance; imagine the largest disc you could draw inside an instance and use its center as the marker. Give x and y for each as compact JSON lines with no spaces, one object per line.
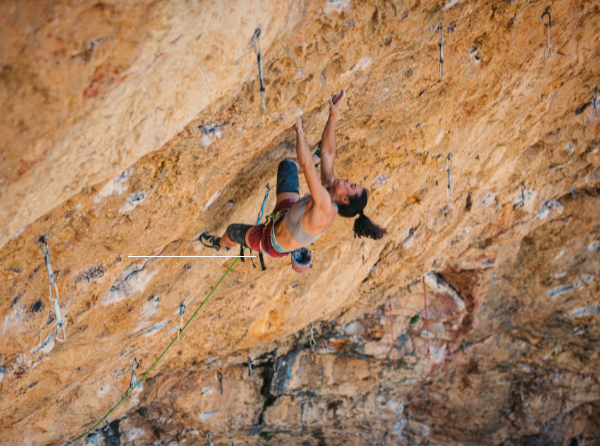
{"x":293,"y":221}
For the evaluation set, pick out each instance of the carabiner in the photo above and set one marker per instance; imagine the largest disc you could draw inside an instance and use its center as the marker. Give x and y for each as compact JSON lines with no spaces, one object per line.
{"x":547,"y":13}
{"x":256,"y":41}
{"x":59,"y":321}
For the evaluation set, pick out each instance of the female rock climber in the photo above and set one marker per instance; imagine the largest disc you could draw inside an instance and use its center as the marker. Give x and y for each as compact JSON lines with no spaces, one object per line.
{"x":296,"y":222}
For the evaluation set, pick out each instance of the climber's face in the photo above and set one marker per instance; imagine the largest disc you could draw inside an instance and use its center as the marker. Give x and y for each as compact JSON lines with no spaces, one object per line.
{"x":345,"y":188}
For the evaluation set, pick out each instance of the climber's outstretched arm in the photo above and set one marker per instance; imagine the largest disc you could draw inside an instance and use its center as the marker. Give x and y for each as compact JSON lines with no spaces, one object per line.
{"x":328,"y":146}
{"x":316,"y":160}
{"x":319,"y":194}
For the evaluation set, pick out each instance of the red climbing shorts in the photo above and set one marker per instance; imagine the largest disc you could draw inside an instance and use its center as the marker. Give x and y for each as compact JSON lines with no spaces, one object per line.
{"x":259,"y":238}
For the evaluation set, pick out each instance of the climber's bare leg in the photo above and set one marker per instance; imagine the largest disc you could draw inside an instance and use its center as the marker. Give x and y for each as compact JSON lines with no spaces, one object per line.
{"x":226,"y":242}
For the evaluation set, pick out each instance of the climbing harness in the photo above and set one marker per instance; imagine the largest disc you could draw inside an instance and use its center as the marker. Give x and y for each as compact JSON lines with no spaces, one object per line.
{"x":260,"y":216}
{"x":59,"y":321}
{"x":182,"y":308}
{"x":426,"y":321}
{"x":159,"y":358}
{"x":256,"y":45}
{"x":363,"y":248}
{"x":134,"y":381}
{"x":220,"y":377}
{"x":441,"y":69}
{"x":548,"y":47}
{"x":313,"y":355}
{"x":392,"y":331}
{"x":449,"y":191}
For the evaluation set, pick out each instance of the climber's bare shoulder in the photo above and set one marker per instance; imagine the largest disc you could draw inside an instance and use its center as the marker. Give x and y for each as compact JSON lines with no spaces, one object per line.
{"x":317,"y":218}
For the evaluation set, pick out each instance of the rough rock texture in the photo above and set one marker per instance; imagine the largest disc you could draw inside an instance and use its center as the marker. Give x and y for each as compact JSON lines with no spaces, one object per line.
{"x":510,"y":261}
{"x":88,"y":87}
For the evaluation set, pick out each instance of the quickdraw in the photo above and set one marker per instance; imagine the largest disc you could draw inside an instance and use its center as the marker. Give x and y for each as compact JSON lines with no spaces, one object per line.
{"x":208,"y":439}
{"x":260,"y":216}
{"x":392,"y":332}
{"x":59,"y":321}
{"x":250,"y":374}
{"x":103,"y":428}
{"x":596,"y":102}
{"x":363,"y":248}
{"x":287,"y":369}
{"x":256,"y":45}
{"x":449,"y":191}
{"x":522,"y":394}
{"x":521,"y":204}
{"x":133,"y":382}
{"x":313,"y":355}
{"x":182,"y":308}
{"x":441,"y":44}
{"x":548,"y":47}
{"x":220,"y":378}
{"x":426,"y":321}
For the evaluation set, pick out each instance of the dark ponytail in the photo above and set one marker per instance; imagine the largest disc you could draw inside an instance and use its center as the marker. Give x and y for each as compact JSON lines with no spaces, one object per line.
{"x":363,"y":226}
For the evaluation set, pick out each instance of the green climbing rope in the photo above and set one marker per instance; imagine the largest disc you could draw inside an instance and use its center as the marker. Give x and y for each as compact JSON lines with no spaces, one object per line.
{"x":159,"y":358}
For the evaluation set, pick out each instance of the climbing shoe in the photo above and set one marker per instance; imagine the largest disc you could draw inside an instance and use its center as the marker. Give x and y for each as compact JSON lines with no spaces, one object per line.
{"x":211,"y":241}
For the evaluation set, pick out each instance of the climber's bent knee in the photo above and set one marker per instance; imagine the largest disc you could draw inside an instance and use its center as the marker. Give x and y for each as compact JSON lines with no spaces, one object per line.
{"x":287,"y":177}
{"x":237,"y":233}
